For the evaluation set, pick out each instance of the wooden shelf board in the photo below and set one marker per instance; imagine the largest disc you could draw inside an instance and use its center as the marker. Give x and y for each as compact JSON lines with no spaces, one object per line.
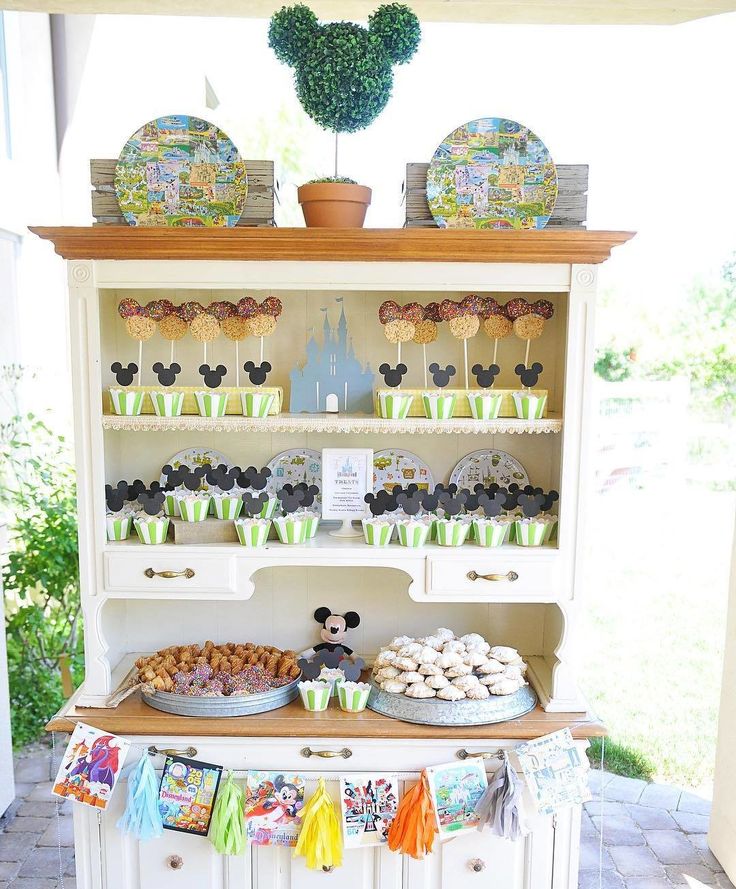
{"x":330,"y":423}
{"x":342,"y":245}
{"x":134,"y":717}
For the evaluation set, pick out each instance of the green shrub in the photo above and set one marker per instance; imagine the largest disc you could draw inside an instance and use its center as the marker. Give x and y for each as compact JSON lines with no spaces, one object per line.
{"x":620,"y":760}
{"x":41,"y":574}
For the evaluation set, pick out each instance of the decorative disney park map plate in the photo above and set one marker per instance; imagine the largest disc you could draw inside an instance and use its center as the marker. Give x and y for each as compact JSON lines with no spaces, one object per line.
{"x":492,"y":173}
{"x":182,"y":171}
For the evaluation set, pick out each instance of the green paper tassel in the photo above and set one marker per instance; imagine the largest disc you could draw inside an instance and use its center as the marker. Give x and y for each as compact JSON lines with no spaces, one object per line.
{"x":227,"y":828}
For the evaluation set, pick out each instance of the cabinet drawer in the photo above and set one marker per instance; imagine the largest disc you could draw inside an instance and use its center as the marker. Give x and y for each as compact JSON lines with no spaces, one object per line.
{"x":512,"y":571}
{"x":169,"y":572}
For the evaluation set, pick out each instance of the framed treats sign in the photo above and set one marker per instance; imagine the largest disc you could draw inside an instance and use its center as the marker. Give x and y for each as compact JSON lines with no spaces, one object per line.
{"x":347,"y":476}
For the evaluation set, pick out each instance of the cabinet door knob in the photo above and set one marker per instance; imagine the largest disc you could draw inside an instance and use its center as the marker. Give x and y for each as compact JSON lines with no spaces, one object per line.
{"x":477,"y":865}
{"x":346,"y":753}
{"x":327,"y":868}
{"x":175,"y":862}
{"x":187,"y":572}
{"x":511,"y":576}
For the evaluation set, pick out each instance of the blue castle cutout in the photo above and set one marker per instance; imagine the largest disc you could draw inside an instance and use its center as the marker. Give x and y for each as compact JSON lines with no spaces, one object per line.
{"x":332,"y":378}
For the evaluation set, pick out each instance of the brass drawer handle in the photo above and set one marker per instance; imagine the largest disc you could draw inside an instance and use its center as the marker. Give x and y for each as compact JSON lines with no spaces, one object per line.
{"x":511,"y":576}
{"x":171,"y":751}
{"x":346,"y":753}
{"x":187,"y":572}
{"x":481,"y":754}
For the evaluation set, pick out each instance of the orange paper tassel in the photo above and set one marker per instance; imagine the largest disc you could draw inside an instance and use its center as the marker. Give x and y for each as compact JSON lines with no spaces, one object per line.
{"x":413,"y":829}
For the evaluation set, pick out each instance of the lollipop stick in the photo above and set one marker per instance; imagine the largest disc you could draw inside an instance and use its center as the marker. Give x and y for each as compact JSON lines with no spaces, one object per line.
{"x":261,"y":350}
{"x":140,"y":361}
{"x":526,"y":356}
{"x":424,"y":354}
{"x":398,"y":352}
{"x":465,"y":358}
{"x":495,"y":349}
{"x":204,"y":346}
{"x":171,"y":359}
{"x":237,"y":364}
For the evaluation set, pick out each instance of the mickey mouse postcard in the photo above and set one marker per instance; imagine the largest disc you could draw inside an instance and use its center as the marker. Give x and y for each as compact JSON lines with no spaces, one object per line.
{"x":273,"y":804}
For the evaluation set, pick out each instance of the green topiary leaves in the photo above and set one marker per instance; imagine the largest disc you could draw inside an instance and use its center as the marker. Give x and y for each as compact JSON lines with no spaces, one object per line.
{"x":343,"y":72}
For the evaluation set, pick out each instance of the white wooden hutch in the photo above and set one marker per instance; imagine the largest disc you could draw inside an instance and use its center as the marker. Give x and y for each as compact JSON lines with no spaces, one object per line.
{"x":269,"y":595}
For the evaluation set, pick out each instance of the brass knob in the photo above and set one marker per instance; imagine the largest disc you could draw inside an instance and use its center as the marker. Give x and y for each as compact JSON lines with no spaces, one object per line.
{"x":511,"y":576}
{"x":187,"y":572}
{"x":175,"y":862}
{"x":477,"y":865}
{"x":346,"y":753}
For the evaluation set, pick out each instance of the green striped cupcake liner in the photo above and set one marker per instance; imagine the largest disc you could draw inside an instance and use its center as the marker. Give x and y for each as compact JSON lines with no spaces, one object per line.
{"x":490,"y":533}
{"x":452,"y":533}
{"x":252,"y":534}
{"x":315,"y":695}
{"x":269,"y":509}
{"x":528,"y":406}
{"x":118,"y":526}
{"x":256,"y":404}
{"x":171,"y":506}
{"x":152,"y":532}
{"x":194,"y":510}
{"x":291,"y":530}
{"x":211,"y":404}
{"x":414,"y":535}
{"x":353,"y":696}
{"x":394,"y":405}
{"x":550,"y":530}
{"x":312,"y":523}
{"x":484,"y":405}
{"x":125,"y":403}
{"x":376,"y":534}
{"x":167,"y":404}
{"x":438,"y":407}
{"x":530,"y":533}
{"x":227,"y":508}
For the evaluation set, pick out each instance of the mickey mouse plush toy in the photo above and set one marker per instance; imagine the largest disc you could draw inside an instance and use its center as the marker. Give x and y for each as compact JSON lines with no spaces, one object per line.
{"x":334,"y":628}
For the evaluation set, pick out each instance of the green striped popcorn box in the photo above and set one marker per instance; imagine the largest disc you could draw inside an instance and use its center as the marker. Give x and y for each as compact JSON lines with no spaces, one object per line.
{"x":353,"y":696}
{"x":291,"y":529}
{"x":394,"y":405}
{"x":438,"y":406}
{"x":211,"y":404}
{"x":452,"y":532}
{"x":193,"y":507}
{"x":171,"y":507}
{"x":118,"y":525}
{"x":312,"y":521}
{"x":377,"y":532}
{"x":315,"y":695}
{"x":227,"y":505}
{"x":269,"y":509}
{"x":529,"y":406}
{"x":491,"y":532}
{"x":413,"y":532}
{"x":551,"y":528}
{"x":530,"y":532}
{"x":151,"y":530}
{"x":256,"y":404}
{"x":166,"y":403}
{"x":334,"y":676}
{"x":252,"y":532}
{"x":484,"y":405}
{"x":127,"y":403}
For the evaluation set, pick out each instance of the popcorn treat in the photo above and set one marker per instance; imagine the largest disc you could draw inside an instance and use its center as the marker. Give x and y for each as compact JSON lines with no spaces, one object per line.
{"x":204,"y":328}
{"x":464,"y":326}
{"x":172,"y":327}
{"x":425,"y":332}
{"x":497,"y":327}
{"x":529,"y":327}
{"x":399,"y":331}
{"x":235,"y":327}
{"x":140,"y":328}
{"x":262,"y":325}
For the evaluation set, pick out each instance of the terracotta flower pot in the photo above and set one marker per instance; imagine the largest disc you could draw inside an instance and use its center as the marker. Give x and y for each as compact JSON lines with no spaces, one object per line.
{"x":334,"y":204}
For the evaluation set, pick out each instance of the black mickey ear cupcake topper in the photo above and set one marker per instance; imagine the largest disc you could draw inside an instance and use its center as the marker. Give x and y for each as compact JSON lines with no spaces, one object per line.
{"x":453,"y":503}
{"x":485,"y":376}
{"x":411,"y":503}
{"x":253,"y":504}
{"x":255,"y":478}
{"x":124,"y":375}
{"x":117,"y":497}
{"x":529,"y":376}
{"x":392,"y":376}
{"x":191,"y":478}
{"x":441,"y":376}
{"x":291,"y":498}
{"x":166,"y":375}
{"x":492,"y":504}
{"x":152,"y":502}
{"x":257,"y":373}
{"x":212,"y":376}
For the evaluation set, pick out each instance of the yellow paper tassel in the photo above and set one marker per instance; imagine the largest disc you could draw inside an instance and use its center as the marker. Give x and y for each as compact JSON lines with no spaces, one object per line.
{"x":320,"y":840}
{"x":413,"y":829}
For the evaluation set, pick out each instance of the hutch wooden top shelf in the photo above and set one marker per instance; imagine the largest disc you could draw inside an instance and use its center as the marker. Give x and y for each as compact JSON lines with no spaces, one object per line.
{"x":336,"y":245}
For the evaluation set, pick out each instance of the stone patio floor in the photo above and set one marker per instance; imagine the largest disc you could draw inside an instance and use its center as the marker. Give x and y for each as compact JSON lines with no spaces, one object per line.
{"x":654,"y":836}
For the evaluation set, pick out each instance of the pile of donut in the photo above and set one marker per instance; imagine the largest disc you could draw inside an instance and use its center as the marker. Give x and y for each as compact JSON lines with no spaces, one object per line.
{"x":448,"y":668}
{"x":416,"y":323}
{"x":236,"y":321}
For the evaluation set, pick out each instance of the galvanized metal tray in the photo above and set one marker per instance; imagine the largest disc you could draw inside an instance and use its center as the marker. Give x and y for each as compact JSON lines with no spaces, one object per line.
{"x":431,"y":711}
{"x":216,"y":708}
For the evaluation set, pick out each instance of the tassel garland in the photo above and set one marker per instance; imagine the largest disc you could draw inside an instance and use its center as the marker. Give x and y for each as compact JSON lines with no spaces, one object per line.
{"x":320,"y":840}
{"x":142,"y":817}
{"x":413,"y":829}
{"x":499,"y":807}
{"x":227,"y":828}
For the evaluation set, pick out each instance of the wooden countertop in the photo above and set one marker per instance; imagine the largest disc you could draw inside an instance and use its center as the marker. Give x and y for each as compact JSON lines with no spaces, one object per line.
{"x":134,"y":717}
{"x":122,"y":242}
